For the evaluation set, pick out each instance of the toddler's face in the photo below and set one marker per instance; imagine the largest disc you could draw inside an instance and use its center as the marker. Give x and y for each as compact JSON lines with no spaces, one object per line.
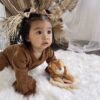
{"x":40,"y":34}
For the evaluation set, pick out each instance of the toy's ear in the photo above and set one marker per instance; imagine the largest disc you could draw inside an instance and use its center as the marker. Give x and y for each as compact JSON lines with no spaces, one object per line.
{"x":48,"y":69}
{"x":65,"y":68}
{"x":49,"y":65}
{"x":58,"y":60}
{"x":61,"y":62}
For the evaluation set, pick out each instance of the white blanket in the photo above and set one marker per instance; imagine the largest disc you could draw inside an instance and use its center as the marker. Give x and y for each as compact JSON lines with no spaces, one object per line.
{"x":84,"y":67}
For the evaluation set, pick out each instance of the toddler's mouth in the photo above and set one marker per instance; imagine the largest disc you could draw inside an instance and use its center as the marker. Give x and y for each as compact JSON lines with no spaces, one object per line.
{"x":44,"y":43}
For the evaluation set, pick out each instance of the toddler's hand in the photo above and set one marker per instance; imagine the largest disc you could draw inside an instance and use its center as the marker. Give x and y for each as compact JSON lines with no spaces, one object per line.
{"x":26,"y":88}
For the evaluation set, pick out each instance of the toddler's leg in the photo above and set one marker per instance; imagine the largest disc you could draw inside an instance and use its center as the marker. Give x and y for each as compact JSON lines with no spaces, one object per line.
{"x":3,"y":61}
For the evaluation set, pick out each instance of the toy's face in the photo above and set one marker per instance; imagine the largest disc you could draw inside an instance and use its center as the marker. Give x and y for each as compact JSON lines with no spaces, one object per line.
{"x":57,"y":67}
{"x":59,"y":70}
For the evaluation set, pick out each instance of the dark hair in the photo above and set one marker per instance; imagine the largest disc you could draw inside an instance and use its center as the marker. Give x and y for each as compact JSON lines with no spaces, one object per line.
{"x":25,"y":27}
{"x":23,"y":31}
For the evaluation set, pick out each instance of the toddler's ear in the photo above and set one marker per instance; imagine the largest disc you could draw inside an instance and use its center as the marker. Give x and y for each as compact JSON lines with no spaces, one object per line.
{"x":27,"y":39}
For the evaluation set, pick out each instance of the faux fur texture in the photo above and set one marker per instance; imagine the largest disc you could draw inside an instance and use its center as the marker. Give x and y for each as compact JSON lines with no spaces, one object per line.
{"x":85,"y":68}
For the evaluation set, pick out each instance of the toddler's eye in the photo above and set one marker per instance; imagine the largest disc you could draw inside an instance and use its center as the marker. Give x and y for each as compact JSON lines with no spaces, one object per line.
{"x":49,"y":32}
{"x":39,"y":32}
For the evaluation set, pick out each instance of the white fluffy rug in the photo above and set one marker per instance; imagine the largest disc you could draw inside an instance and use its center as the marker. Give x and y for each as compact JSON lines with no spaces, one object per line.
{"x":84,"y":67}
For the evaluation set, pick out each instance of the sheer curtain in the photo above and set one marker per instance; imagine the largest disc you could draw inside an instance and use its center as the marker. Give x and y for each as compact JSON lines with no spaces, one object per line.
{"x":3,"y":38}
{"x":83,"y":24}
{"x":13,"y":7}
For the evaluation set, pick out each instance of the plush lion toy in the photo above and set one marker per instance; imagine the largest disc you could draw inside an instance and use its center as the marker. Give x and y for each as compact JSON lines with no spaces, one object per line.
{"x":59,"y":75}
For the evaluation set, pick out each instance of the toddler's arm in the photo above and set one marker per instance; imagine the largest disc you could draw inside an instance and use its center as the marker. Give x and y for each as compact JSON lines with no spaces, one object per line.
{"x":24,"y":83}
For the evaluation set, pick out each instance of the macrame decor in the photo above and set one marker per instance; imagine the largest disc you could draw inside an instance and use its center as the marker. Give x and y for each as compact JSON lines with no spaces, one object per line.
{"x":52,"y":8}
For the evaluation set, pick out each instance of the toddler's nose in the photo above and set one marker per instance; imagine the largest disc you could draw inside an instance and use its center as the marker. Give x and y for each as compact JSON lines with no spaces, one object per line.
{"x":45,"y":36}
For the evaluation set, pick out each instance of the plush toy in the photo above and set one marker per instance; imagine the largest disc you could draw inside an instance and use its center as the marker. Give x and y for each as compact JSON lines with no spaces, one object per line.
{"x":59,"y":75}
